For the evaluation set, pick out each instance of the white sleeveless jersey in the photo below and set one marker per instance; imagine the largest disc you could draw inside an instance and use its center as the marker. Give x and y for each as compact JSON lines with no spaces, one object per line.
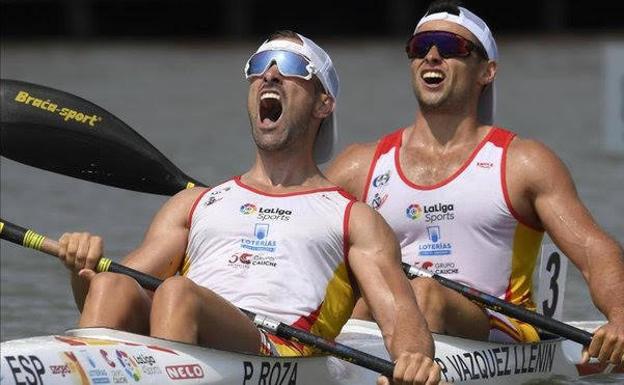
{"x":464,"y":227}
{"x":280,"y":255}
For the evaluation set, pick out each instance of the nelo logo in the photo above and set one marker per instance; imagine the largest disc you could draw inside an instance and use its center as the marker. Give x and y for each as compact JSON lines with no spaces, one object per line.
{"x":184,"y":372}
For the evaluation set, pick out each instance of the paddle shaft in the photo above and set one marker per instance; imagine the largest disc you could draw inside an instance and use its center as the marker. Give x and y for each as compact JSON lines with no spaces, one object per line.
{"x":551,"y":325}
{"x":28,"y":238}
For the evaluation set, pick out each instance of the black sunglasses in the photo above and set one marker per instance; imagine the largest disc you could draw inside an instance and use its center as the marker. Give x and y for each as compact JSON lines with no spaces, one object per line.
{"x":449,"y":45}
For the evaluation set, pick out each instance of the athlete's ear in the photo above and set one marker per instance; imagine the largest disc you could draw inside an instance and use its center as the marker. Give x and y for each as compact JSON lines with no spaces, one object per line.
{"x":488,"y":72}
{"x":324,"y":106}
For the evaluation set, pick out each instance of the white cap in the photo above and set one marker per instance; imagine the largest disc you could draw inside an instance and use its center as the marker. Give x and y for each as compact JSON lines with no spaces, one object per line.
{"x":476,"y":25}
{"x":327,"y":136}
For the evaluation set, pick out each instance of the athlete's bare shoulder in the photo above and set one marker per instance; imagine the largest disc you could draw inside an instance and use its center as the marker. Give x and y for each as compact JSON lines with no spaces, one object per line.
{"x":533,"y":161}
{"x":534,"y":174}
{"x":350,"y":168}
{"x":178,"y":207}
{"x":188,"y":195}
{"x":370,"y":233}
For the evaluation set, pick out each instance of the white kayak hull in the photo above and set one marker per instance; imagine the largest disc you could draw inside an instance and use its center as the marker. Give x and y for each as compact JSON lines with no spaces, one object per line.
{"x":104,"y":356}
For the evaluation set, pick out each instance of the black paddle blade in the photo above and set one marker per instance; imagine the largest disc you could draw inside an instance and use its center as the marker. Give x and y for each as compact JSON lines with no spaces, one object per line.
{"x":60,"y":132}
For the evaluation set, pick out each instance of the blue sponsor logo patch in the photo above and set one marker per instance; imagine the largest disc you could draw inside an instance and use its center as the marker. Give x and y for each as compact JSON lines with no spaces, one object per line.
{"x":378,"y":201}
{"x":436,"y":247}
{"x":97,"y":374}
{"x":260,"y":241}
{"x":261,"y":230}
{"x":381,"y":180}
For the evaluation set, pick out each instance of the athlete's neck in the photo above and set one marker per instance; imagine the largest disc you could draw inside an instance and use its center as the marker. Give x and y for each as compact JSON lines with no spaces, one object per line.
{"x":273,"y":174}
{"x":443,"y":130}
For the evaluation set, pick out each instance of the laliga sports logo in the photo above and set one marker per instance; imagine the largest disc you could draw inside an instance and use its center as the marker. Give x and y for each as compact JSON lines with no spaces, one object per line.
{"x":248,"y":209}
{"x":266,"y":213}
{"x":130,"y":366}
{"x":414,"y":211}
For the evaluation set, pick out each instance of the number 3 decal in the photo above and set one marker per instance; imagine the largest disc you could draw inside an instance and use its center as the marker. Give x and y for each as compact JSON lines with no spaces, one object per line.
{"x":552,"y":277}
{"x":554,"y":262}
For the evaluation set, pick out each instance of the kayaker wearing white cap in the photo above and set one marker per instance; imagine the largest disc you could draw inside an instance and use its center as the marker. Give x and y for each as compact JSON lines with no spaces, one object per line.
{"x":470,"y":200}
{"x":279,"y":240}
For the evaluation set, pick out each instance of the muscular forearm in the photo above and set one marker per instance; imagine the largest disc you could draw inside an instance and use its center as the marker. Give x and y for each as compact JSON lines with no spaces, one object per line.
{"x":80,"y":288}
{"x":605,"y":275}
{"x":409,"y":333}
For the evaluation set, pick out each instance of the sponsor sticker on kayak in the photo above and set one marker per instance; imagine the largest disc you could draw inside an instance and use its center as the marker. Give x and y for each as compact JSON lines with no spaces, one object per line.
{"x":26,"y":368}
{"x":270,"y":373}
{"x":97,"y":373}
{"x":184,"y":372}
{"x":498,"y":362}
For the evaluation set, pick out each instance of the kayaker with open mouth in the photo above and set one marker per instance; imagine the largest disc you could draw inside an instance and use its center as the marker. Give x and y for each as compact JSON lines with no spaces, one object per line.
{"x":279,"y":240}
{"x":470,"y":200}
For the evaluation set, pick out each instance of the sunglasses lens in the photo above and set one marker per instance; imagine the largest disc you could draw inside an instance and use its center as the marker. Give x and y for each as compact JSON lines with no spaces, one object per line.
{"x":448,"y":44}
{"x":288,"y":64}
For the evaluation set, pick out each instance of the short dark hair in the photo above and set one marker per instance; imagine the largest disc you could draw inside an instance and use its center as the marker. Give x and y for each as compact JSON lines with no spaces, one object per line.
{"x":283,"y":34}
{"x":288,"y":34}
{"x":450,"y":6}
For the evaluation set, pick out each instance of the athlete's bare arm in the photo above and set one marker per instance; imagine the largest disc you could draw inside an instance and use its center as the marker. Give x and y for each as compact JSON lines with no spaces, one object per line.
{"x":374,"y":258}
{"x":350,"y":168}
{"x":543,"y":193}
{"x":162,"y":250}
{"x":160,"y":253}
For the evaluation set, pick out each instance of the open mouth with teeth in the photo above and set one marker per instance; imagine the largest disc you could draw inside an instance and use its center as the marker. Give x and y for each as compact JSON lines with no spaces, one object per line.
{"x":270,"y":107}
{"x":433,"y":77}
